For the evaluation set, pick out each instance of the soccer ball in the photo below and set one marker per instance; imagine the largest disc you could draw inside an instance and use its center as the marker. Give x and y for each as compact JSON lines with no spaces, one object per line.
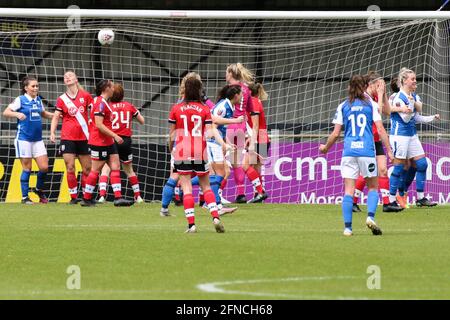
{"x":106,"y":37}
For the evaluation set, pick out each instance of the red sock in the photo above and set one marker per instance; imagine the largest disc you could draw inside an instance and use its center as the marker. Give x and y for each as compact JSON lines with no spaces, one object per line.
{"x":103,"y":185}
{"x":359,"y":187}
{"x":263,"y":182}
{"x":253,"y":176}
{"x":83,"y":181}
{"x":116,"y":183}
{"x":135,"y":186}
{"x":210,"y":199}
{"x":73,"y":184}
{"x":239,"y":178}
{"x":188,"y":202}
{"x":223,"y":184}
{"x":383,"y":186}
{"x":91,"y":182}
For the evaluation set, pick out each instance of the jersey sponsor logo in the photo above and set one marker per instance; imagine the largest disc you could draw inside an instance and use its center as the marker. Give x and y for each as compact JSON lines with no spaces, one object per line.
{"x":357,"y":145}
{"x":73,"y":111}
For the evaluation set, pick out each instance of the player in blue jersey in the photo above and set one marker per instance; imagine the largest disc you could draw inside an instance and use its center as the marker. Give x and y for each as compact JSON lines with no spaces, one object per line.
{"x":357,"y":114}
{"x":222,"y":115}
{"x":29,"y":111}
{"x":406,"y":109}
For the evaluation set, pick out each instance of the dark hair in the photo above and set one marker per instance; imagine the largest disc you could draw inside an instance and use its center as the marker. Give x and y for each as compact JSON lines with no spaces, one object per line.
{"x":229,"y":91}
{"x":118,"y":94}
{"x":357,"y":87}
{"x":101,"y":86}
{"x":193,"y":90}
{"x":394,"y":85}
{"x":25,"y":82}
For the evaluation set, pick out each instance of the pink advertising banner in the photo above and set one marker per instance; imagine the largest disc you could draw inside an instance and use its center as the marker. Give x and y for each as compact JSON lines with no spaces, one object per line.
{"x":299,"y":173}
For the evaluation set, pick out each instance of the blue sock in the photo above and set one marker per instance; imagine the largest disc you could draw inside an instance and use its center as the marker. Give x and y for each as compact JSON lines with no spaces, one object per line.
{"x":347,"y":206}
{"x":215,"y":182}
{"x":422,"y":166}
{"x":168,"y":192}
{"x":25,"y":183}
{"x":394,"y":181}
{"x":40,"y":180}
{"x":195,"y":181}
{"x":402,"y":183}
{"x":372,"y":203}
{"x":410,"y":177}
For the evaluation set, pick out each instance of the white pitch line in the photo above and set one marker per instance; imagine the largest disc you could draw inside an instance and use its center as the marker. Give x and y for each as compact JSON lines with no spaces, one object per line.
{"x":215,"y":287}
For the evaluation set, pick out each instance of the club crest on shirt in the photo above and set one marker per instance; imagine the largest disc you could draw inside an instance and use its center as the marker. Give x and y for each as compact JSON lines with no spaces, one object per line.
{"x":82,"y":100}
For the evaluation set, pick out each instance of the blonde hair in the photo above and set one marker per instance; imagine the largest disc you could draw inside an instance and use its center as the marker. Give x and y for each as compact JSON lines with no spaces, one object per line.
{"x":403,"y":75}
{"x":79,"y":86}
{"x":241,"y":73}
{"x":257,"y":90}
{"x":190,"y":75}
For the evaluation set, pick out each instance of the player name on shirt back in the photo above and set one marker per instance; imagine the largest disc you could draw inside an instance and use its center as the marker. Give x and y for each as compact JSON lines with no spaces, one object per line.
{"x":191,"y":107}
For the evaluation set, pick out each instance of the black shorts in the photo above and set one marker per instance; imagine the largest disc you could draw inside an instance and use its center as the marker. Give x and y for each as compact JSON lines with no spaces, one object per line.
{"x":379,"y":151}
{"x":200,"y":168}
{"x":78,"y":147}
{"x":124,"y":149}
{"x":263,"y":149}
{"x":102,"y":153}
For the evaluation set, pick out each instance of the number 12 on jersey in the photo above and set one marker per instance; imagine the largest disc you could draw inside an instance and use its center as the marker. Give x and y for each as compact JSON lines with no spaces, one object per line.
{"x":196,"y":120}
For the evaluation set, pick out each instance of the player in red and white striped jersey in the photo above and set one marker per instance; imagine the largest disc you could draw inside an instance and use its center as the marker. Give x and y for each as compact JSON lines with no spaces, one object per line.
{"x":123,"y":114}
{"x":73,"y":107}
{"x":190,"y":120}
{"x":254,"y":160}
{"x":103,"y":148}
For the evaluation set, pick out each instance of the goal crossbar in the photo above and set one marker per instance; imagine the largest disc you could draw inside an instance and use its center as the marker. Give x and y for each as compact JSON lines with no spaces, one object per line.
{"x":215,"y":14}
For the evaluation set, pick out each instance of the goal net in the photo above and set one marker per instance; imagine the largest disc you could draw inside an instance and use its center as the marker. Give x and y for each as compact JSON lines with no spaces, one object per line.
{"x":304,"y":65}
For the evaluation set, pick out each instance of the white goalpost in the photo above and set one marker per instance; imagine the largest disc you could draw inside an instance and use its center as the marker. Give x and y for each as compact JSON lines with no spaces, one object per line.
{"x":304,"y":60}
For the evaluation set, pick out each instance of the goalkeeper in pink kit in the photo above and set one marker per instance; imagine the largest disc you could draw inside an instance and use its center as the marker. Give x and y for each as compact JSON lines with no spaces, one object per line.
{"x":237,"y":74}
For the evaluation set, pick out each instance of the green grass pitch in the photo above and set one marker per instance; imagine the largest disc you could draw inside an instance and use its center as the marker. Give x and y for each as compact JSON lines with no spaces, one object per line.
{"x":267,"y":252}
